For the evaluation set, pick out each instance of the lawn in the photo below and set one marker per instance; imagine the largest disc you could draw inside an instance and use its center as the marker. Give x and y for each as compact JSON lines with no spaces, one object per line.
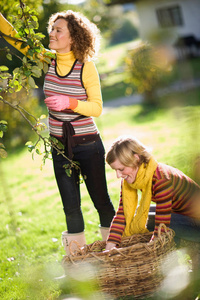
{"x":32,"y":218}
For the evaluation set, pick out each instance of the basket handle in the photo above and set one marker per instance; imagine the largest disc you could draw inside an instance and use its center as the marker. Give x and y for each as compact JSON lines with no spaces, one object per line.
{"x":161,"y":225}
{"x":77,"y":248}
{"x":169,"y":233}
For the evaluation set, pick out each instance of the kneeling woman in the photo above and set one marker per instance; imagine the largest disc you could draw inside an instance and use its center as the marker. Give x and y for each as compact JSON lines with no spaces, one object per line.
{"x":177,"y":196}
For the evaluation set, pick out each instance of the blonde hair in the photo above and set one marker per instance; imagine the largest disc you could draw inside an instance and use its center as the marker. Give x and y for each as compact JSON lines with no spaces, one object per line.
{"x":84,"y":34}
{"x":125,"y":148}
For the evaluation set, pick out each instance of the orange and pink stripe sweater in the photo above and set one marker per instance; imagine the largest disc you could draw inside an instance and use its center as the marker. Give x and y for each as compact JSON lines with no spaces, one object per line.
{"x":172,"y":191}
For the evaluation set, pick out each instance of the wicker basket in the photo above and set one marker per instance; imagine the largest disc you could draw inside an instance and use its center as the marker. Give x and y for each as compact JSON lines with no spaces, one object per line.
{"x":132,"y":269}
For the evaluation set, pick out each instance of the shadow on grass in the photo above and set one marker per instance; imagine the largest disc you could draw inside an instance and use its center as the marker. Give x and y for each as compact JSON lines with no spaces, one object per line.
{"x":147,"y":113}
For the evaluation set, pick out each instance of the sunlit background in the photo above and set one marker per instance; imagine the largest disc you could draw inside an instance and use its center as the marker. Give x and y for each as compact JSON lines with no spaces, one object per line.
{"x":149,"y":67}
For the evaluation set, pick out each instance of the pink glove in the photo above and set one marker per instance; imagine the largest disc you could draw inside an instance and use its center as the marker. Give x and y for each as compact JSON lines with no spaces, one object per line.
{"x":57,"y":103}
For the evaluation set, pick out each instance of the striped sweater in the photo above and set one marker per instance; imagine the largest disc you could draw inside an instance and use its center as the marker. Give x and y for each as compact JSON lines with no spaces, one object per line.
{"x":172,"y":191}
{"x":70,"y":85}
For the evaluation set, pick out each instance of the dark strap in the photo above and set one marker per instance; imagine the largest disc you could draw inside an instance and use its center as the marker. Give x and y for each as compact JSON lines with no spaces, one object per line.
{"x":68,"y":132}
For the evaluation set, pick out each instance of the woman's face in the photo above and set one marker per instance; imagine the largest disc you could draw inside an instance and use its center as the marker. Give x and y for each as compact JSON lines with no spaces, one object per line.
{"x":127,"y":173}
{"x":59,"y":37}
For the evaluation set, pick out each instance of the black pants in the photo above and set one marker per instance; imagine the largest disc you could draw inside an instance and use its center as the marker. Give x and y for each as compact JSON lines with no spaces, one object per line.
{"x":91,"y":160}
{"x":185,"y":227}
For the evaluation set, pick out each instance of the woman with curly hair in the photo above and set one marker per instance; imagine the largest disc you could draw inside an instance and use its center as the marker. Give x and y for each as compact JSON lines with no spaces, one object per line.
{"x":73,"y":97}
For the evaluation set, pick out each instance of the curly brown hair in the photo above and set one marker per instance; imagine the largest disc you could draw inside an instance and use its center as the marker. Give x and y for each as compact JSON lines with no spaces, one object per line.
{"x":84,"y":34}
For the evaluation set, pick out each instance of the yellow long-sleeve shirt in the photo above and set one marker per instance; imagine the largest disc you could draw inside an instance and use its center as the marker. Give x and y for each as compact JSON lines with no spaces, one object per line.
{"x":93,"y":105}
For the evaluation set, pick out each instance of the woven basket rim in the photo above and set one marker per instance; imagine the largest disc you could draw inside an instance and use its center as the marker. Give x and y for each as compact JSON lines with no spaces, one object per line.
{"x":165,"y":235}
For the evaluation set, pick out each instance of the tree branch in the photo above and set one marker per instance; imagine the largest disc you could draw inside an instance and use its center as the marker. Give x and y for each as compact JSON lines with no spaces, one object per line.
{"x":46,"y":141}
{"x":11,"y":37}
{"x":11,"y":52}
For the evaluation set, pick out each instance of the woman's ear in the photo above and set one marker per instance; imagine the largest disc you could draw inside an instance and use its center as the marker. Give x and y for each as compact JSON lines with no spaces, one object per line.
{"x":137,"y":157}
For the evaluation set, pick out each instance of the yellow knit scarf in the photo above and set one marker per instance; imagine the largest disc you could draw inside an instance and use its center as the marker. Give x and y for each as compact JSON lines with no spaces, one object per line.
{"x":136,"y":220}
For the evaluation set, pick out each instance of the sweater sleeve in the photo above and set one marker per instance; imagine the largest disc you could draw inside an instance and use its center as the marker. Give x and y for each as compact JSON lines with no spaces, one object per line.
{"x":162,"y":195}
{"x":118,"y":225}
{"x":93,"y":106}
{"x":10,"y":32}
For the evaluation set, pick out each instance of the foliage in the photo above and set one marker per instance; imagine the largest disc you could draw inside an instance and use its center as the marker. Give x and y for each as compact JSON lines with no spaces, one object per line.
{"x":18,"y":132}
{"x":3,"y":128}
{"x":146,"y":67}
{"x":21,"y":78}
{"x":124,"y":32}
{"x":10,"y":7}
{"x":103,"y":16}
{"x":31,"y":65}
{"x":98,"y":13}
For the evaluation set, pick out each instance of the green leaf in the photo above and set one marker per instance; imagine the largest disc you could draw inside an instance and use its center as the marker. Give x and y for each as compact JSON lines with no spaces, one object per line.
{"x":45,"y":68}
{"x":34,"y":18}
{"x":68,"y":172}
{"x":9,"y":56}
{"x":3,"y":68}
{"x":3,"y":153}
{"x":24,"y":59}
{"x":40,"y":65}
{"x":3,"y":127}
{"x":17,"y":35}
{"x":31,"y":148}
{"x":42,"y":117}
{"x":30,"y":52}
{"x":38,"y":152}
{"x":60,"y":145}
{"x":36,"y":71}
{"x":31,"y":82}
{"x":23,"y":45}
{"x":16,"y":70}
{"x":39,"y":35}
{"x":3,"y":122}
{"x":27,"y":30}
{"x":2,"y":146}
{"x":29,"y":143}
{"x":27,"y":73}
{"x":48,"y":60}
{"x":16,"y":83}
{"x":50,"y":54}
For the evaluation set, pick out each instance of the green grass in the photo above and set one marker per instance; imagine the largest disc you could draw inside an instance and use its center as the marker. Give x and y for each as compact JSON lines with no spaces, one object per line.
{"x":32,"y":218}
{"x":112,"y":57}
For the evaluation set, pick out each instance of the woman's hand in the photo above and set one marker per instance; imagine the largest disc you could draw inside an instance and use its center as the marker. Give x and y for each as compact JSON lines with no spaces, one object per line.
{"x":60,"y":102}
{"x":57,"y":103}
{"x":110,"y":246}
{"x":152,"y":238}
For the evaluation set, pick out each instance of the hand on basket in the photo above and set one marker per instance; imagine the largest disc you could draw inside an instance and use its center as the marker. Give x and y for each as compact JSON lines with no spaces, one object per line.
{"x":152,"y":238}
{"x":110,"y":246}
